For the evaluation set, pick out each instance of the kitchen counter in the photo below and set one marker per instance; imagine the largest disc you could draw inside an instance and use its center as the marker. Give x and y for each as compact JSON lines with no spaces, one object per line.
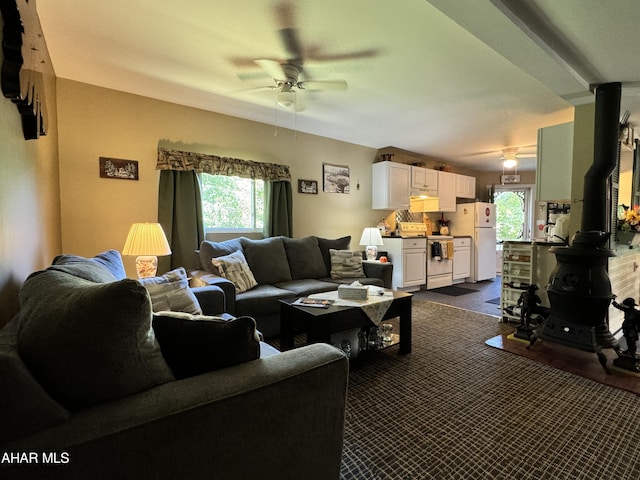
{"x":535,"y":242}
{"x":398,"y":236}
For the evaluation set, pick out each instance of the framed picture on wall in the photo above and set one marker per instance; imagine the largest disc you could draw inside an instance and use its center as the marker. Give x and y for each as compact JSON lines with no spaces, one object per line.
{"x":118,"y":168}
{"x":335,"y":178}
{"x":308,"y":186}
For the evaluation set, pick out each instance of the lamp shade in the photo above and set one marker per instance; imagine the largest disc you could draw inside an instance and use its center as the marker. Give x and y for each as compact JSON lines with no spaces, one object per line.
{"x":146,"y":239}
{"x":371,"y":236}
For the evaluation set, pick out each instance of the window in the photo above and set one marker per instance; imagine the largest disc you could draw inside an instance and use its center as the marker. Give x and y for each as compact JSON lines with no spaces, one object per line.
{"x":513,"y":211}
{"x":232,"y":204}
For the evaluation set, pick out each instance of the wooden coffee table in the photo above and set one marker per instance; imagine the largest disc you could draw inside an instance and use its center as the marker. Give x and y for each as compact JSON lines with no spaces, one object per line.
{"x":320,"y":323}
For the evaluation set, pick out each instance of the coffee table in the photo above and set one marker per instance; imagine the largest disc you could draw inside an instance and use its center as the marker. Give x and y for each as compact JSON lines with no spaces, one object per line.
{"x":320,"y":323}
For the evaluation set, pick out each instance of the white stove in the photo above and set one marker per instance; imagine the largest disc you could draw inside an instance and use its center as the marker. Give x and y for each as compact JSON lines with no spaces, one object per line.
{"x":412,"y":229}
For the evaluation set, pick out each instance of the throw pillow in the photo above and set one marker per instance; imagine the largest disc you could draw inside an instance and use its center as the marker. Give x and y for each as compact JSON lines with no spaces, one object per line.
{"x":111,"y":260}
{"x":304,"y":257}
{"x":196,"y":344}
{"x":171,"y":292}
{"x":234,"y":267}
{"x":326,"y":244}
{"x":88,"y":343}
{"x":346,"y":264}
{"x":24,"y":407}
{"x":267,"y":260}
{"x":209,"y":250}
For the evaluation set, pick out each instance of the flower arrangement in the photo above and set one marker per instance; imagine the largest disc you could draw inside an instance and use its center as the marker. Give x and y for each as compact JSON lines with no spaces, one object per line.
{"x":443,"y":222}
{"x":629,"y":219}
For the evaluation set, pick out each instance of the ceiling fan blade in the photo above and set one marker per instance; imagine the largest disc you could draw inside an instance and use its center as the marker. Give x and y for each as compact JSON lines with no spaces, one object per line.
{"x":255,"y":89}
{"x":273,"y":68}
{"x":285,"y":13}
{"x":323,"y":85}
{"x":291,"y":43}
{"x":255,"y":75}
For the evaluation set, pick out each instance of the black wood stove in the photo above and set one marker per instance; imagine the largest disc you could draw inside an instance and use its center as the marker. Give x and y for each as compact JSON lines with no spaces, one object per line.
{"x":579,"y":288}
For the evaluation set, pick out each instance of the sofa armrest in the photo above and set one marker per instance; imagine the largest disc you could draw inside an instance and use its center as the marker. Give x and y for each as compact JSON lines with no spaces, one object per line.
{"x":269,"y":418}
{"x":211,"y":299}
{"x":200,"y":278}
{"x":383,"y":271}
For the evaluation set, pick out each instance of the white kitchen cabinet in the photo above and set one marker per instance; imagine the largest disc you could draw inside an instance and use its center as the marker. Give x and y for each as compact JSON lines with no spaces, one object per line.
{"x":409,"y":257}
{"x":391,"y":186}
{"x":447,"y":191}
{"x":465,"y":186}
{"x":424,"y":180}
{"x":554,"y":162}
{"x":461,"y":259}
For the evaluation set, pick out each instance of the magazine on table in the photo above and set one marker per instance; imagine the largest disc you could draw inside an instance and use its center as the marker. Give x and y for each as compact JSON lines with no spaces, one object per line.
{"x":313,"y":302}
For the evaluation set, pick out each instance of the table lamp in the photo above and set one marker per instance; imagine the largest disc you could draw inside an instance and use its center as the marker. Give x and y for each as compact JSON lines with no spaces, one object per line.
{"x":147,"y":241}
{"x":371,"y":238}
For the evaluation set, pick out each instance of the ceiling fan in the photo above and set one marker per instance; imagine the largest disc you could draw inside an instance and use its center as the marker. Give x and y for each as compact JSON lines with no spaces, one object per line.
{"x":507,"y":153}
{"x":510,"y":156}
{"x":287,"y":82}
{"x":289,"y":73}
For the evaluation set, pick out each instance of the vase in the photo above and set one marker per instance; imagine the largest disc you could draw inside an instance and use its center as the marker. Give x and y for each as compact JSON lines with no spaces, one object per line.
{"x":444,"y":230}
{"x":625,"y":237}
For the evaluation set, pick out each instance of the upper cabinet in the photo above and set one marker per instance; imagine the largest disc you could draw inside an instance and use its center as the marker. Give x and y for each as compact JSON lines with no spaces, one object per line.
{"x":391,"y":186}
{"x":447,"y":191}
{"x":465,"y":186}
{"x":555,"y":162}
{"x":394,"y":183}
{"x":424,"y":180}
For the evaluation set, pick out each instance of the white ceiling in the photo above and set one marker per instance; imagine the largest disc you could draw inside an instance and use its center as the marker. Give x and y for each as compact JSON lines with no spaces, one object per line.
{"x":452,"y":79}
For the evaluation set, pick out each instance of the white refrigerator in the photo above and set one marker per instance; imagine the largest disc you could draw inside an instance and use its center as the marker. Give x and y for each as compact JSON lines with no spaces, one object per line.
{"x":478,"y":220}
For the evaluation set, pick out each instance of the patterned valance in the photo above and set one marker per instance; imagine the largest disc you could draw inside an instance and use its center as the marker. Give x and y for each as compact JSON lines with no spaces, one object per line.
{"x":215,"y":165}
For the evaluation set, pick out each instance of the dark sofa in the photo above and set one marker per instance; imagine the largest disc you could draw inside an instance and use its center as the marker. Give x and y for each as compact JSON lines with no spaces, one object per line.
{"x":283,"y":268}
{"x":88,"y":393}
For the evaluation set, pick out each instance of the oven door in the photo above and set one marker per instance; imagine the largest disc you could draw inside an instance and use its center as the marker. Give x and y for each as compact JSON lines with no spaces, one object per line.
{"x":439,"y":272}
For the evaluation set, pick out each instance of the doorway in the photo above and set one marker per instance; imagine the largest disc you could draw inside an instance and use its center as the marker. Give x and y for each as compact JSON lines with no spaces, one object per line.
{"x":514,"y":215}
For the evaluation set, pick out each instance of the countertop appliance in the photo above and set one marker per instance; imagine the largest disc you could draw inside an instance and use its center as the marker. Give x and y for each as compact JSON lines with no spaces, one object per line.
{"x":478,"y":219}
{"x":412,"y":229}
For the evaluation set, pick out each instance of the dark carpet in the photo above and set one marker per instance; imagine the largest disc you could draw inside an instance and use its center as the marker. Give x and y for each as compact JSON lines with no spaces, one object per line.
{"x":456,"y":408}
{"x":494,"y":301}
{"x":453,"y":290}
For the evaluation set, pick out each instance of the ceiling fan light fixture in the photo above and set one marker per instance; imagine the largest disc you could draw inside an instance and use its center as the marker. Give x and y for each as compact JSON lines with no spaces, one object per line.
{"x":509,"y":158}
{"x":509,"y":163}
{"x":286,"y":98}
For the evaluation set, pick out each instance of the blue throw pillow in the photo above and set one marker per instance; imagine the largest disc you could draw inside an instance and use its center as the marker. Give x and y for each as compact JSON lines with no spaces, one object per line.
{"x":209,"y":250}
{"x":111,"y":261}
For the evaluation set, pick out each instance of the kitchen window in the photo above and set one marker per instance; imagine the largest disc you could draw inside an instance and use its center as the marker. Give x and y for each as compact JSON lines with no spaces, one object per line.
{"x":513,"y":212}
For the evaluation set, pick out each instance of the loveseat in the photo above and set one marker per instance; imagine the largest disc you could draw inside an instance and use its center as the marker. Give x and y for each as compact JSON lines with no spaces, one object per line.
{"x":256,"y":274}
{"x":88,"y":389}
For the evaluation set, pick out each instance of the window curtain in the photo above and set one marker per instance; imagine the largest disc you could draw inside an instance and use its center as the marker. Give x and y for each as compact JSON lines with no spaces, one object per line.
{"x":278,"y":199}
{"x":277,"y":179}
{"x":180,"y":214}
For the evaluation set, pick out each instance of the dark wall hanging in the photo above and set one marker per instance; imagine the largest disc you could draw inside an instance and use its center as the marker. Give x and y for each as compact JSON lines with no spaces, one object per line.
{"x":24,"y":53}
{"x":118,"y":168}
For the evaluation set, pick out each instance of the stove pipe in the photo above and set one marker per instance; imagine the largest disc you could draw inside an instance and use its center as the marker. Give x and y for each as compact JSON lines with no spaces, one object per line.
{"x":579,"y":288}
{"x":606,"y":134}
